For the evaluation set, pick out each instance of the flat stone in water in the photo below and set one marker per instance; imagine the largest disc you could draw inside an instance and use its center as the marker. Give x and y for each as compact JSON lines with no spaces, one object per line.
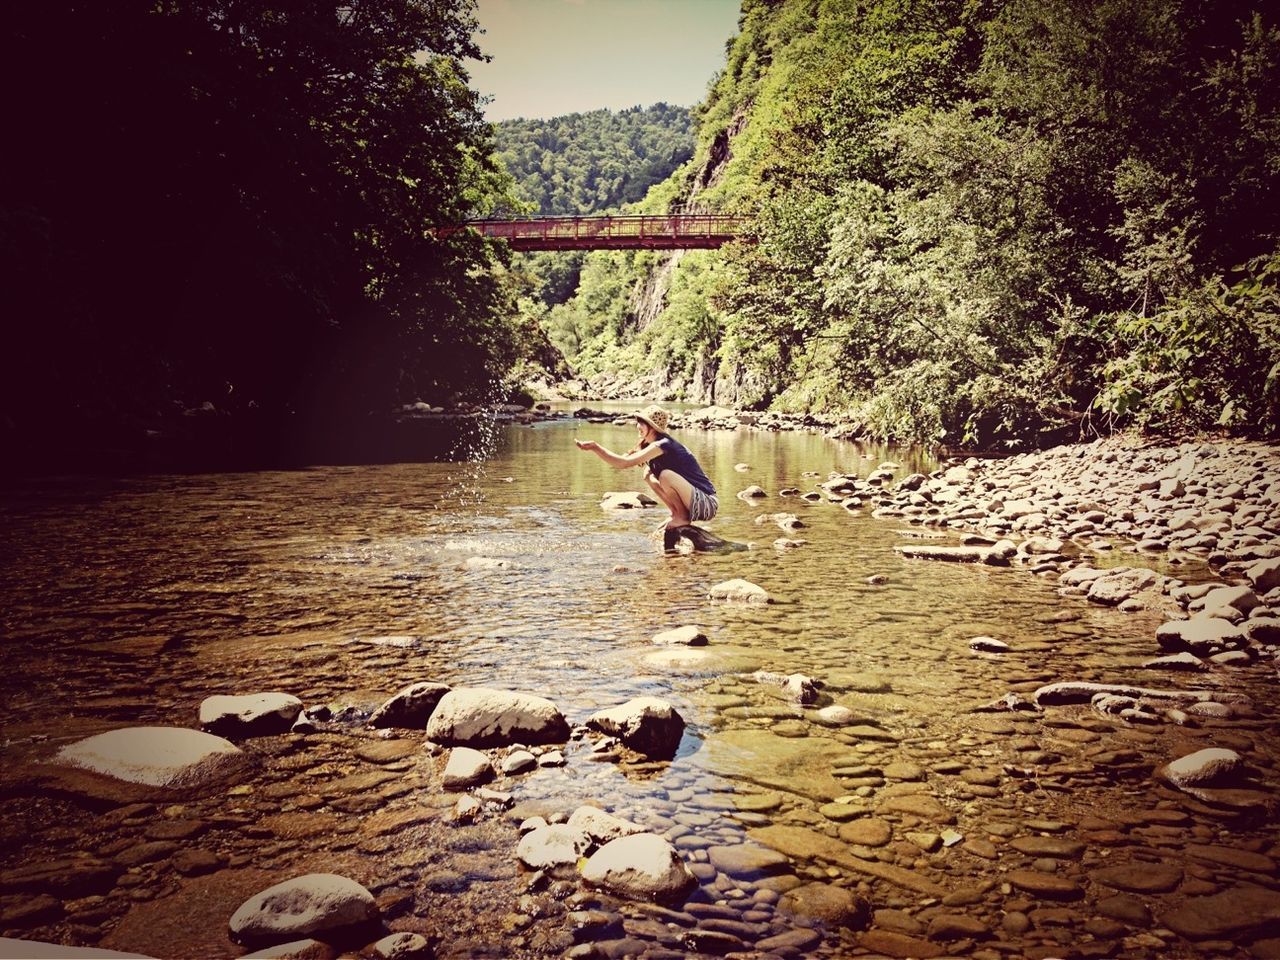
{"x":387,"y":751}
{"x":1139,"y":877}
{"x":1047,"y":885}
{"x":155,"y":756}
{"x":1231,"y":914}
{"x":868,"y":832}
{"x":842,"y":812}
{"x":924,"y":807}
{"x":747,"y":860}
{"x":1232,"y":857}
{"x":1049,"y":847}
{"x":891,"y":944}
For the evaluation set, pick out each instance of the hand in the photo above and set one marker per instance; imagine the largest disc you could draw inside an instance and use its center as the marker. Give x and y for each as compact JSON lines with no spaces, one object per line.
{"x":586,"y":444}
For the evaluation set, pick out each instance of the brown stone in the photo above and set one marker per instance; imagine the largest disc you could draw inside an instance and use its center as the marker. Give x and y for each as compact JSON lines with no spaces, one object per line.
{"x":868,"y":832}
{"x":900,"y":945}
{"x":1047,"y":885}
{"x":1140,"y":877}
{"x":916,"y":805}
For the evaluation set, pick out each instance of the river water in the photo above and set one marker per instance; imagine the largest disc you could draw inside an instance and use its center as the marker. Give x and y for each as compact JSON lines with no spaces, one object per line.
{"x":126,"y":601}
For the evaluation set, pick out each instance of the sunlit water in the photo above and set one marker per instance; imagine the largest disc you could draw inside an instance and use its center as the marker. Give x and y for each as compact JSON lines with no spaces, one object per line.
{"x":126,"y":602}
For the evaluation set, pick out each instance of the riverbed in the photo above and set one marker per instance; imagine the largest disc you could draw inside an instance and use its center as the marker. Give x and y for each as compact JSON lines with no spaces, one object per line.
{"x":128,"y":600}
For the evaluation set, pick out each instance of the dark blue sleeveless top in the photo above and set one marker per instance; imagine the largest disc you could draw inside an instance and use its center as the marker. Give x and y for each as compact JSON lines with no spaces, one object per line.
{"x":675,"y":457}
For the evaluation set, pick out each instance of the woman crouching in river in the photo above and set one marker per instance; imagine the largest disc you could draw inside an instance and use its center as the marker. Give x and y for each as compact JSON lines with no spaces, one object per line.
{"x":672,"y":472}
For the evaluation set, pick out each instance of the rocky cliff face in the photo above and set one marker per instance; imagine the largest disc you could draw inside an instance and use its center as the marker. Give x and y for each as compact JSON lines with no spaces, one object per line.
{"x":709,"y":383}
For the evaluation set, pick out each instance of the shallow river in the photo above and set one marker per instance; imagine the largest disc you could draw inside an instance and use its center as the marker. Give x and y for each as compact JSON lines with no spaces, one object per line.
{"x":127,"y":601}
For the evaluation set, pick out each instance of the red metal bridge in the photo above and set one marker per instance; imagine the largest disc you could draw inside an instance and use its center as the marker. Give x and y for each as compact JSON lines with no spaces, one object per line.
{"x":686,"y":231}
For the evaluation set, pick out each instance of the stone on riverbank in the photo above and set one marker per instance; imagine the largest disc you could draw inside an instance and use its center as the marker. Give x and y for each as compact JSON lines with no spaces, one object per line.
{"x":1199,"y":634}
{"x":483,"y":717}
{"x":466,"y":768}
{"x":1264,"y":575}
{"x":311,"y":904}
{"x":548,"y":847}
{"x":741,"y":591}
{"x":831,"y":905}
{"x":990,"y":556}
{"x":1213,"y":765}
{"x":1118,"y":585}
{"x":1069,"y":691}
{"x":687,"y":636}
{"x":252,"y":715}
{"x":1239,"y":912}
{"x":627,"y":500}
{"x":172,"y":757}
{"x":600,"y":827}
{"x":11,"y":949}
{"x":647,"y":725}
{"x":642,"y":866}
{"x":410,"y":707}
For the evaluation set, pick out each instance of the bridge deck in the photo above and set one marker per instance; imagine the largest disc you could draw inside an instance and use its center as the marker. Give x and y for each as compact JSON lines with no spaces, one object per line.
{"x":673,"y":232}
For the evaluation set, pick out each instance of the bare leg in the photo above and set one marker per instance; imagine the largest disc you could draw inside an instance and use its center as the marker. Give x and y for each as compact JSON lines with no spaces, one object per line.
{"x":670,"y":500}
{"x":679,"y":494}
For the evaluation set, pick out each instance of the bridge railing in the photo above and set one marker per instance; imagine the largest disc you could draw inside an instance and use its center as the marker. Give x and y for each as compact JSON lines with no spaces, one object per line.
{"x":610,"y":232}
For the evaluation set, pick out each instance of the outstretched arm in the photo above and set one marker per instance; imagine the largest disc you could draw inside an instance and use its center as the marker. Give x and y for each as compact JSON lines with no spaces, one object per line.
{"x":621,"y":460}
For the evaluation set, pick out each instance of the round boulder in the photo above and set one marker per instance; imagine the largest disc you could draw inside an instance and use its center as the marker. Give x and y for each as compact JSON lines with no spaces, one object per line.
{"x":310,"y":904}
{"x":480,"y":717}
{"x":253,"y":715}
{"x":466,"y":768}
{"x":410,"y":707}
{"x":547,"y":847}
{"x":647,"y":725}
{"x":643,"y":866}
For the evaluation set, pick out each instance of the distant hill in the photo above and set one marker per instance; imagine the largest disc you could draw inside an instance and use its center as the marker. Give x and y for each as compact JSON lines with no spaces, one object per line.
{"x":589,"y":162}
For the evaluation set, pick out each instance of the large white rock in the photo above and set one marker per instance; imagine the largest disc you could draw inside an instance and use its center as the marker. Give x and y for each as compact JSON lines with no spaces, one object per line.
{"x":155,"y":756}
{"x":643,"y":866}
{"x":1202,"y":767}
{"x":648,"y":725}
{"x":310,"y":904}
{"x":252,"y":715}
{"x":482,"y":717}
{"x":1264,"y":575}
{"x":1198,"y":634}
{"x":1241,"y":599}
{"x":742,"y":591}
{"x":599,"y":826}
{"x":548,"y":847}
{"x":1114,"y":588}
{"x":411,"y":706}
{"x":466,"y":768}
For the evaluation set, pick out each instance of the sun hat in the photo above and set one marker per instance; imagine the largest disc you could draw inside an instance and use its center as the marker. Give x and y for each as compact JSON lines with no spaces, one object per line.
{"x":655,"y":417}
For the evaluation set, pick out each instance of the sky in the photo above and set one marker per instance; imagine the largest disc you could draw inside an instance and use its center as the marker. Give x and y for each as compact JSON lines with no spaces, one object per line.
{"x":552,"y":57}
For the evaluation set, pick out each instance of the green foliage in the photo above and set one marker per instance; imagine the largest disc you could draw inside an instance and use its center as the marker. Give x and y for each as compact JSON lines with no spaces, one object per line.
{"x":588,"y":162}
{"x":225,"y":200}
{"x":985,"y":221}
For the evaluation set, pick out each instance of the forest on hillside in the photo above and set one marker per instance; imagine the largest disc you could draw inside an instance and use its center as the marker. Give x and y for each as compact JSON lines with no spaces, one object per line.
{"x":585,"y":163}
{"x":999,"y":222}
{"x":230,"y":203}
{"x":588,"y":162}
